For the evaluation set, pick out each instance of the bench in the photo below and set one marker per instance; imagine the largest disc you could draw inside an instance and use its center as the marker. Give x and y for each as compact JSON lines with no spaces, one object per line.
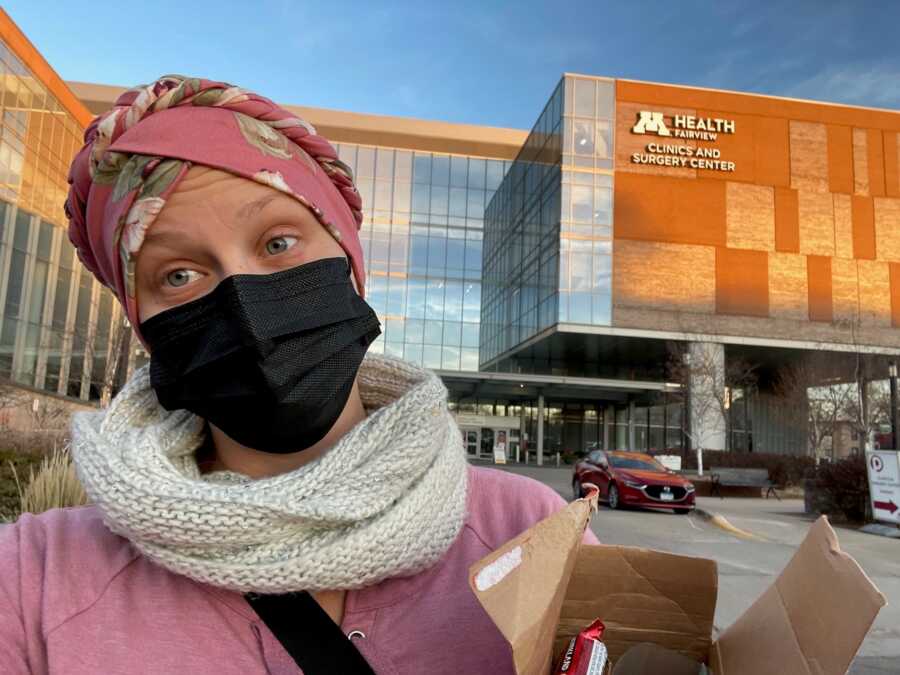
{"x":741,"y":478}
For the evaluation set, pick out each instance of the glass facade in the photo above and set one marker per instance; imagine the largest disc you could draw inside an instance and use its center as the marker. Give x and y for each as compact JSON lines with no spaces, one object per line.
{"x":548,"y":230}
{"x":571,"y":426}
{"x":423,"y":237}
{"x":58,"y":325}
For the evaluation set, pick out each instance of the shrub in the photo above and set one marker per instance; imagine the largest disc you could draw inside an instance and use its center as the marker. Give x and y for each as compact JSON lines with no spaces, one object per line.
{"x":839,"y":488}
{"x":33,"y":442}
{"x":569,"y":456}
{"x":13,"y":466}
{"x":51,"y":483}
{"x":783,"y":469}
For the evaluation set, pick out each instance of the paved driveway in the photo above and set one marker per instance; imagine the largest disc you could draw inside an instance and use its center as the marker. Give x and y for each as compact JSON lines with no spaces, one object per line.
{"x":746,"y":568}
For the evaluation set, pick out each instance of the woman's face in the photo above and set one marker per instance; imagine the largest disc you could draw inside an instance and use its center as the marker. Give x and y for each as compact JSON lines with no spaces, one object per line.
{"x":216,"y":225}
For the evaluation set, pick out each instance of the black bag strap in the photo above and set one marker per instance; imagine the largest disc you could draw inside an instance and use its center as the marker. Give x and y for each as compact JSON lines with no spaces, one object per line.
{"x":308,"y":634}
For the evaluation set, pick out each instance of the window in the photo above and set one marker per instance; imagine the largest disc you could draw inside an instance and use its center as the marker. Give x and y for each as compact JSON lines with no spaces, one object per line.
{"x":603,"y":144}
{"x":584,"y":137}
{"x":384,"y":167}
{"x":637,"y":463}
{"x":583,"y":99}
{"x":458,"y":171}
{"x":365,"y":162}
{"x":476,"y":174}
{"x":440,"y":170}
{"x":422,"y":168}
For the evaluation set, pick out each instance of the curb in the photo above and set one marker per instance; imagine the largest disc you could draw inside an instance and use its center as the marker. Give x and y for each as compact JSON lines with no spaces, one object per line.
{"x":722,"y":523}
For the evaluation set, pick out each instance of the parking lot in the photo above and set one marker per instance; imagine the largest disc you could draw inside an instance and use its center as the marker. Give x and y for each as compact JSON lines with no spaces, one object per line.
{"x":749,"y":566}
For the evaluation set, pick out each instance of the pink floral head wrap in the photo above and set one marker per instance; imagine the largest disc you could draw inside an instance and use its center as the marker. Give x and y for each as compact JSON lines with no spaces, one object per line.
{"x":136,"y":153}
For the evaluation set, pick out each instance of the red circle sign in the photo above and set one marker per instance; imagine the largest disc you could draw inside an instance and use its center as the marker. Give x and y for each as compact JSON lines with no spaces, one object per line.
{"x":876,"y":463}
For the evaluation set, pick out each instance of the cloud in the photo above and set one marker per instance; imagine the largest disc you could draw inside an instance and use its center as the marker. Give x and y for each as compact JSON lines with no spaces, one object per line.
{"x":863,"y":84}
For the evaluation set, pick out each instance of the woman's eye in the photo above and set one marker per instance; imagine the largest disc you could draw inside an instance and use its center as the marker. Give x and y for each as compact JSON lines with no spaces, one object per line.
{"x":277,"y":245}
{"x":180,"y":277}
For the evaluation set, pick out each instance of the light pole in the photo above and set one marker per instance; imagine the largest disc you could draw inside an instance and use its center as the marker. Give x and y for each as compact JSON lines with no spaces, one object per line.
{"x":892,"y":372}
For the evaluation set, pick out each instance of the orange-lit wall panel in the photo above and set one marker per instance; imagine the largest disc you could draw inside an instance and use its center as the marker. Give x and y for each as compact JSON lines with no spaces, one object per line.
{"x":840,"y":159}
{"x":875,"y":151}
{"x":773,"y":152}
{"x":742,"y":282}
{"x":818,"y":270}
{"x":863,"y":214}
{"x":895,"y":294}
{"x":891,"y":143}
{"x":671,"y":210}
{"x":811,"y":219}
{"x":787,"y":221}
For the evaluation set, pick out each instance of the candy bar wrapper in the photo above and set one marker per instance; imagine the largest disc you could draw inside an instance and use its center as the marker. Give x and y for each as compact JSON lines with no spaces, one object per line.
{"x":586,"y":654}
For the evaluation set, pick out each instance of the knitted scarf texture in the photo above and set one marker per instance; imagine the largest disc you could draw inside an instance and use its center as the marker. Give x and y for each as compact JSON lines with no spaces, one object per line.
{"x":387,"y":500}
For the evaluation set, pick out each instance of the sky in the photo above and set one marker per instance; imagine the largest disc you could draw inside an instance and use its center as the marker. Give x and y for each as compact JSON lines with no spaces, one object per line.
{"x":486,"y":63}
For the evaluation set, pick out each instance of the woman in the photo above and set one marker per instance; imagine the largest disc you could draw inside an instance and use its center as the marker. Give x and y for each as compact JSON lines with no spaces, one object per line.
{"x":262,"y":475}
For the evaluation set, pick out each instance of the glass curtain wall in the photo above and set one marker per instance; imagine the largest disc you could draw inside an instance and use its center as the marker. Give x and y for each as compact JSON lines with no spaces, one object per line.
{"x":49,"y":305}
{"x":522,"y":222}
{"x":585,"y":242}
{"x":548,"y":232}
{"x":576,"y":426}
{"x":422,"y":237}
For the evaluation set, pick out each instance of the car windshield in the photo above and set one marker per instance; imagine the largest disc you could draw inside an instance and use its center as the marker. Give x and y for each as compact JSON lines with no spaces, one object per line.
{"x":635,"y":463}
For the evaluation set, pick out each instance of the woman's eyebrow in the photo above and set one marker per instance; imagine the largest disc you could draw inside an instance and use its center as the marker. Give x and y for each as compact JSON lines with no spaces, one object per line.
{"x":254,"y":207}
{"x":168,"y":238}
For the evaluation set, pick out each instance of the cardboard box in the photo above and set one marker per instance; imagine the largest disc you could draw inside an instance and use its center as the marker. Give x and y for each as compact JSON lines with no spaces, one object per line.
{"x":542,"y":587}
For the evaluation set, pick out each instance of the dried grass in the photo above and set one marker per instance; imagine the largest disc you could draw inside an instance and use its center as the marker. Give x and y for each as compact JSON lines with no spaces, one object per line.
{"x":54,"y":485}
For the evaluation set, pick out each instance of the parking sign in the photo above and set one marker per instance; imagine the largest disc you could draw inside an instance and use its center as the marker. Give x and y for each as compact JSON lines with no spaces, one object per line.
{"x":884,"y":484}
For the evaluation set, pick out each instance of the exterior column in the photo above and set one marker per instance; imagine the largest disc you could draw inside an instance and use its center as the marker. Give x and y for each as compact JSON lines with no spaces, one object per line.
{"x":40,"y":371}
{"x":706,"y":374}
{"x":89,"y":346}
{"x":540,"y":430}
{"x":19,"y":344}
{"x":523,"y":429}
{"x":606,"y":424}
{"x":631,"y":443}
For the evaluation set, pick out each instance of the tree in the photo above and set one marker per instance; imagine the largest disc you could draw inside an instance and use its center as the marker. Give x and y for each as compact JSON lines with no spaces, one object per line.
{"x":868,"y":409}
{"x":110,"y":344}
{"x":816,"y":383}
{"x":836,"y":388}
{"x":707,"y":383}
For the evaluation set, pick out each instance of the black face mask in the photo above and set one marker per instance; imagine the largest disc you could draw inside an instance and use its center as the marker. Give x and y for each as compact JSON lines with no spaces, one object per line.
{"x":270,"y":359}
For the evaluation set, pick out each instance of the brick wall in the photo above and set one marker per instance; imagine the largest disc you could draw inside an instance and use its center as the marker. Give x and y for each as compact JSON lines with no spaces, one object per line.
{"x":805,"y":230}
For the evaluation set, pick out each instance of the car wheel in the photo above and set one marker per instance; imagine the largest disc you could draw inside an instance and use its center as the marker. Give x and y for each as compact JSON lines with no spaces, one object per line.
{"x":612,"y":497}
{"x":682,"y":512}
{"x":577,"y":490}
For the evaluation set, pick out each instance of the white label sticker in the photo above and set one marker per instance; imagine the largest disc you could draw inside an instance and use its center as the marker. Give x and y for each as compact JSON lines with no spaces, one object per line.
{"x":494,"y":573}
{"x":598,"y":659}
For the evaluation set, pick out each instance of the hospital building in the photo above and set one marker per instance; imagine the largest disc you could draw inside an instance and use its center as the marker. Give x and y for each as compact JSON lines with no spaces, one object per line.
{"x":551,"y":276}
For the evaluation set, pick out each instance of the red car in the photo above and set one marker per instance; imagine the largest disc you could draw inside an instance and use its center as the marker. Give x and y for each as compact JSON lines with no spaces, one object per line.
{"x":633,"y":479}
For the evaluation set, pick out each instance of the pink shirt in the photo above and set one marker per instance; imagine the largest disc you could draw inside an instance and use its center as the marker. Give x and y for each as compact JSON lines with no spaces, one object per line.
{"x":77,"y":599}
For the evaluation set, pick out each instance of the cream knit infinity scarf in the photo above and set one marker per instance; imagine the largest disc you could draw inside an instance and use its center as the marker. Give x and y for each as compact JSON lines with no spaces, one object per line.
{"x":388,"y":500}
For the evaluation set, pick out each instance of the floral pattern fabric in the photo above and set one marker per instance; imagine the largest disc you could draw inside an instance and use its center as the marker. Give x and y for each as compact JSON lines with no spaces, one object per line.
{"x":135,"y":155}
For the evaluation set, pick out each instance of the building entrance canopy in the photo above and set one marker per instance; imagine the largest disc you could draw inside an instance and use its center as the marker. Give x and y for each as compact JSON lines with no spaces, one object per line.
{"x":522,"y":386}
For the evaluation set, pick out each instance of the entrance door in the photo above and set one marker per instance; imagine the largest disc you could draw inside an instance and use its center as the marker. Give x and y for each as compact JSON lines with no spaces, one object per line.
{"x":487,"y":442}
{"x":513,"y":443}
{"x":471,"y":441}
